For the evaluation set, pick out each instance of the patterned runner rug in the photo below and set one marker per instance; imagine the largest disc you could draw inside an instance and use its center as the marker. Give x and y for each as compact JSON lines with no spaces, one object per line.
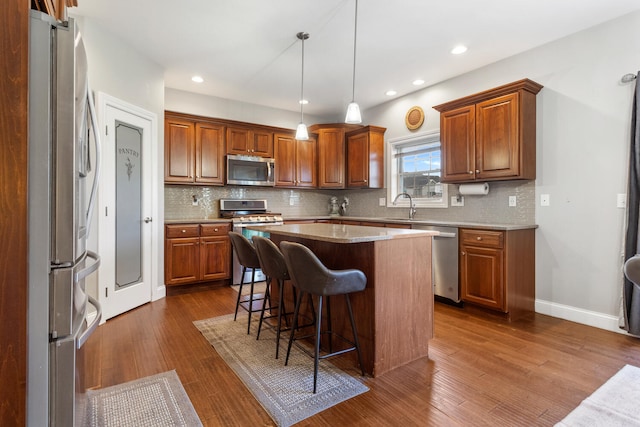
{"x":158,"y":400}
{"x":285,"y":392}
{"x":615,"y":403}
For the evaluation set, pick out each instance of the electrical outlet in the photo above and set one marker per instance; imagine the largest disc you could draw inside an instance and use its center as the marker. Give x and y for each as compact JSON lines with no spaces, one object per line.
{"x":382,"y":201}
{"x":545,"y":200}
{"x":512,"y":201}
{"x":622,"y":201}
{"x":457,"y":200}
{"x":291,"y":201}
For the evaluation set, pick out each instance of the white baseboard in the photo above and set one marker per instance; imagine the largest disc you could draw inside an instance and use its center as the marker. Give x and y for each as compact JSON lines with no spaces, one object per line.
{"x":579,"y":315}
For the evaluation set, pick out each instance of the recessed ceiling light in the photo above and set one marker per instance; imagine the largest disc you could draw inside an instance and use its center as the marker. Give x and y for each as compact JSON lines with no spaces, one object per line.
{"x":303,"y":102}
{"x":418,"y":82}
{"x":459,"y":49}
{"x":197,"y":79}
{"x":390,"y":92}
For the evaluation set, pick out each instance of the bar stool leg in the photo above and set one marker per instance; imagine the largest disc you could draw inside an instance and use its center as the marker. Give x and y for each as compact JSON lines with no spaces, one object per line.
{"x":294,"y":327}
{"x":316,"y":356}
{"x":267,"y":294}
{"x":244,"y":270}
{"x":329,"y":327}
{"x":281,"y":309}
{"x":355,"y":333}
{"x":253,"y":275}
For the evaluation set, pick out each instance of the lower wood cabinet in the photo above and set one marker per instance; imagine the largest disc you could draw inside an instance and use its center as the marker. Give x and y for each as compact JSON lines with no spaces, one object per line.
{"x":497,"y":269}
{"x":197,"y":253}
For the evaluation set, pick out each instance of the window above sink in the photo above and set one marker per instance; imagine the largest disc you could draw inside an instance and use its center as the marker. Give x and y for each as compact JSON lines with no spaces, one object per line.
{"x":414,"y":165}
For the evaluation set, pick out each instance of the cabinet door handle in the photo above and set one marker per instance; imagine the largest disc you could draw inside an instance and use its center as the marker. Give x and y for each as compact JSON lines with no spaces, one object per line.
{"x":365,"y":180}
{"x":470,"y":172}
{"x":463,"y":253}
{"x":478,"y":238}
{"x":477,"y":170}
{"x":215,"y":230}
{"x":184,"y":231}
{"x":148,"y":219}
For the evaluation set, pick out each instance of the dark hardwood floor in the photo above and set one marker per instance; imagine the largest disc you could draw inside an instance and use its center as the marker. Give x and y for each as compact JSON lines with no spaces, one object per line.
{"x":481,"y":370}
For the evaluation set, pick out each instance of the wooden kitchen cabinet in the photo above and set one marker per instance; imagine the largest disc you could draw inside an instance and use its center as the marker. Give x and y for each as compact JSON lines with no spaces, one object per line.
{"x":497,"y":270}
{"x":197,"y":253}
{"x":249,"y":141}
{"x":491,"y":135}
{"x":295,"y":161}
{"x":365,"y":157}
{"x":331,"y":153}
{"x":194,"y":152}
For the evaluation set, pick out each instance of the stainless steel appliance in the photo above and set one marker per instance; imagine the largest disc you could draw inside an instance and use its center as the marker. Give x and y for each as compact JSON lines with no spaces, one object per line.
{"x":250,"y":170}
{"x":245,"y":212}
{"x":444,"y":262}
{"x":60,"y":200}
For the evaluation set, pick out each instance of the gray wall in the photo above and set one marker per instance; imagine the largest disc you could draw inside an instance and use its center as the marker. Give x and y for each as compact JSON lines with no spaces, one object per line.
{"x":118,"y":70}
{"x":582,"y":140}
{"x":583,"y":133}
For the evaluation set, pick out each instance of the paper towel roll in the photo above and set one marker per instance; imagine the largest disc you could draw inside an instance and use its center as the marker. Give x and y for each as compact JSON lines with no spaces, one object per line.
{"x":479,"y":189}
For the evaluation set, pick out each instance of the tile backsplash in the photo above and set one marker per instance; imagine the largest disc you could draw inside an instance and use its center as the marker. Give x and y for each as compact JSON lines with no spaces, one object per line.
{"x":492,"y":208}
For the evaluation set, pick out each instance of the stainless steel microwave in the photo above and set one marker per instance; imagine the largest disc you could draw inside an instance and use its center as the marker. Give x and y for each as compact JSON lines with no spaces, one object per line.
{"x":250,"y":170}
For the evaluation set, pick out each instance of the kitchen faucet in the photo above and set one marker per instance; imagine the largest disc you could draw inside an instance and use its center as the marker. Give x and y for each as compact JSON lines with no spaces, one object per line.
{"x":412,"y":207}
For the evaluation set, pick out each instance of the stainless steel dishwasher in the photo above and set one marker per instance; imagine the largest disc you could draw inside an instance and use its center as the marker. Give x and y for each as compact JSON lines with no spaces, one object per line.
{"x":444,"y":262}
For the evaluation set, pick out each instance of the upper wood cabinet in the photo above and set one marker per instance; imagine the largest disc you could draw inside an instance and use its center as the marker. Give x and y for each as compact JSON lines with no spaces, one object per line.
{"x":295,"y":161}
{"x":491,"y":135}
{"x":331,"y":153}
{"x":194,"y":152}
{"x":365,"y":157}
{"x":249,"y":141}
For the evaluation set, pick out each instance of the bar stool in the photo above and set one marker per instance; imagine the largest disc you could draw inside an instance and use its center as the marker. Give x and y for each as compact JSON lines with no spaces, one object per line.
{"x":248,"y":258}
{"x":312,"y":277}
{"x":274,"y":267}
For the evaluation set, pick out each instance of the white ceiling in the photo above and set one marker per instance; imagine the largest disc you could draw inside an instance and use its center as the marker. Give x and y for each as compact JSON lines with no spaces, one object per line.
{"x":247,"y":50}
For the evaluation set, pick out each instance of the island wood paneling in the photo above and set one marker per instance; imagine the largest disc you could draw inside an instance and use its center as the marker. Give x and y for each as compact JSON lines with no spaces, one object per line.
{"x":14,"y":45}
{"x":393,"y":314}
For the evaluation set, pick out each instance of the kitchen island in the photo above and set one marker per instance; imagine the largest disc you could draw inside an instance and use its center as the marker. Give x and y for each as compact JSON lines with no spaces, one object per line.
{"x":394,"y":314}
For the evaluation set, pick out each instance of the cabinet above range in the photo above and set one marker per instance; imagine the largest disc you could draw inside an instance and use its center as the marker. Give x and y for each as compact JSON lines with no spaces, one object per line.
{"x":491,"y":135}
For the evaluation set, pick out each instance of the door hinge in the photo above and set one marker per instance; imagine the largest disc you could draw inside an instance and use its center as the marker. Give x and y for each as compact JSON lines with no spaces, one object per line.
{"x":106,"y":292}
{"x":106,"y":130}
{"x":106,"y":213}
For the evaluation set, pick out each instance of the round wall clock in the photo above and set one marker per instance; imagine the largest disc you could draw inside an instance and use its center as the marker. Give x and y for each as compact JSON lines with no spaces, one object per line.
{"x":414,"y":118}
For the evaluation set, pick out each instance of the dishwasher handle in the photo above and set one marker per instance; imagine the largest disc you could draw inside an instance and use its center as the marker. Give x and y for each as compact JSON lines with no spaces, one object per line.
{"x":444,"y":234}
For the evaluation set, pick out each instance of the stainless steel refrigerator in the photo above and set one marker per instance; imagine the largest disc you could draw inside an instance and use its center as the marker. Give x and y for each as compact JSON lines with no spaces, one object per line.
{"x":63,"y":174}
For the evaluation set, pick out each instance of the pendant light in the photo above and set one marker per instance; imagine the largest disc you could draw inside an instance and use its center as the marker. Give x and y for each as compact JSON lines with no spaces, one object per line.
{"x":301,"y":131}
{"x":353,"y":109}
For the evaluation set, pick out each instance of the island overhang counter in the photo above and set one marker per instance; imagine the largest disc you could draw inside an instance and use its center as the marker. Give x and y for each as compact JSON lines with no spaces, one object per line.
{"x":394,"y":314}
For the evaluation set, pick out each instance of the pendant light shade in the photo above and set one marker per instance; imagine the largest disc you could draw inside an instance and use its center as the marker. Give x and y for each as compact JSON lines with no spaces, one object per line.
{"x":301,"y":131}
{"x":353,"y":109}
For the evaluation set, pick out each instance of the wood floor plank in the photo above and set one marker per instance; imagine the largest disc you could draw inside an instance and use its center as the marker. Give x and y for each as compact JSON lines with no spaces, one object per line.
{"x":482,"y":369}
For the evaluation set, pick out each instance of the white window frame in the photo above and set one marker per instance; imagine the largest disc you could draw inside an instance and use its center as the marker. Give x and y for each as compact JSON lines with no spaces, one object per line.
{"x":392,"y":175}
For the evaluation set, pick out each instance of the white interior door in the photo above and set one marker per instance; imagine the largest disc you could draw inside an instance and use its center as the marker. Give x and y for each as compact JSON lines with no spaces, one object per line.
{"x":125,"y":234}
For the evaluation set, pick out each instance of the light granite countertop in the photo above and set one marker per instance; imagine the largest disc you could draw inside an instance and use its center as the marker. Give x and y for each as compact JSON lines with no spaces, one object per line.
{"x":415,"y":222}
{"x":341,"y":233}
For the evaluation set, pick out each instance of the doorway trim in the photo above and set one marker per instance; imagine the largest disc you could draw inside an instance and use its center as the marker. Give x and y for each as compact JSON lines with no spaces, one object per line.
{"x":103,"y":102}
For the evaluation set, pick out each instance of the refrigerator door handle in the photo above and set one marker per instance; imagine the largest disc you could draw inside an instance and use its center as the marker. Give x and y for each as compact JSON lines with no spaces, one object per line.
{"x":87,"y":271}
{"x":96,"y":176}
{"x":92,"y":327}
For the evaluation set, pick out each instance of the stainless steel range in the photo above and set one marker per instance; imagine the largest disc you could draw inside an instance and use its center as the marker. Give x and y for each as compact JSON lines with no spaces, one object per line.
{"x":245,"y":212}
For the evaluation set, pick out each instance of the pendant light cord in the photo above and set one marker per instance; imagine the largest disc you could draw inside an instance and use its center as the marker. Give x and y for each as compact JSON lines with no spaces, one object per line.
{"x":355,"y":35}
{"x":304,"y":36}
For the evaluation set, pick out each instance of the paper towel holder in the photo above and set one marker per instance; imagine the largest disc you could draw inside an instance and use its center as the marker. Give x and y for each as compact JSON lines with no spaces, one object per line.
{"x":474,"y":189}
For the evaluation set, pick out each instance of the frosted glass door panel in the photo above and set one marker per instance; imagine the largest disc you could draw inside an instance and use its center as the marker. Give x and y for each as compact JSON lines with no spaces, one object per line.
{"x":128,"y":205}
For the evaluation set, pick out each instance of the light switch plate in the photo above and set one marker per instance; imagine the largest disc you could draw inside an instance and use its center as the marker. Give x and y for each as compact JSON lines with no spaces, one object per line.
{"x":512,"y":201}
{"x":382,"y":201}
{"x":545,"y":200}
{"x":621,"y":201}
